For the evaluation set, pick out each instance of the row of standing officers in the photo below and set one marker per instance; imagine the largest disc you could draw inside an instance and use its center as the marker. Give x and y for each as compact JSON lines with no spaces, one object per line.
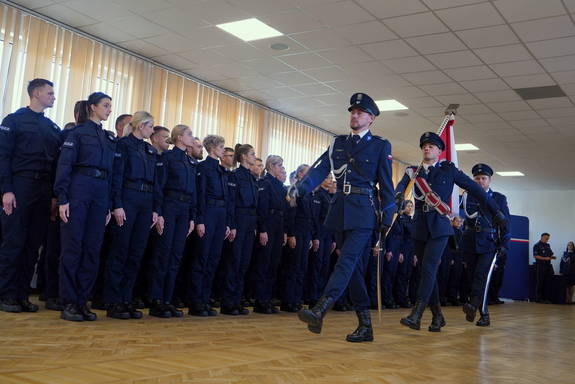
{"x":94,"y":174}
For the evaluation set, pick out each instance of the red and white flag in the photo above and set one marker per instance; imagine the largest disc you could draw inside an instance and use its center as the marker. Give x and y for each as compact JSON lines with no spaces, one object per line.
{"x":450,"y":154}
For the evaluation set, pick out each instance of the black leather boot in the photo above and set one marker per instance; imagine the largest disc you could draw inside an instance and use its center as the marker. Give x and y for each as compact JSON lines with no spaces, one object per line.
{"x":471,"y":308}
{"x":364,"y":331}
{"x":413,"y":321}
{"x":437,"y":321}
{"x":158,"y":309}
{"x":314,"y":317}
{"x":483,"y":318}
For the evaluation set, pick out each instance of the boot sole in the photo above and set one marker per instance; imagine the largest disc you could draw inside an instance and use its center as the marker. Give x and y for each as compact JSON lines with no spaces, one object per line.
{"x":417,"y":327}
{"x":314,"y":324}
{"x":469,"y":313}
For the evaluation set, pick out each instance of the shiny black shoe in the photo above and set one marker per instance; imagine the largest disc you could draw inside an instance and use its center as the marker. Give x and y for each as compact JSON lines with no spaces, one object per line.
{"x":117,"y":311}
{"x":241,"y":309}
{"x":175,"y":312}
{"x":86,"y":313}
{"x":27,"y":306}
{"x":289,"y":307}
{"x":364,"y":331}
{"x":99,"y":304}
{"x":210,"y":310}
{"x":131,"y":309}
{"x":225,"y":310}
{"x":158,"y":309}
{"x":197,"y":310}
{"x":262,"y":306}
{"x":138,"y":302}
{"x":405,"y":304}
{"x":273,"y":307}
{"x":71,"y":313}
{"x":389,"y":304}
{"x":54,"y":304}
{"x":10,"y":305}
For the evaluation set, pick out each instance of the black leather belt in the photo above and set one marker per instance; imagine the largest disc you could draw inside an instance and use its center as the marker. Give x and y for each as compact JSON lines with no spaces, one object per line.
{"x":424,"y":208}
{"x":216,"y":202}
{"x":33,"y":175}
{"x":246,"y":211}
{"x":310,"y":221}
{"x":480,"y":229}
{"x":94,"y":172}
{"x":347,"y":189}
{"x":178,"y":195}
{"x":277,"y":212}
{"x":138,"y":186}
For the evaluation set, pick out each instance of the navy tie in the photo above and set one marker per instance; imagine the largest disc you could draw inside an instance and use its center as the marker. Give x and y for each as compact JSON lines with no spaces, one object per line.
{"x":356,"y":139}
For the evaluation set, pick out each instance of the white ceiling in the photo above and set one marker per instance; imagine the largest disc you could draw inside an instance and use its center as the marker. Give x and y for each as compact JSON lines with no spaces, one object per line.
{"x":424,"y":53}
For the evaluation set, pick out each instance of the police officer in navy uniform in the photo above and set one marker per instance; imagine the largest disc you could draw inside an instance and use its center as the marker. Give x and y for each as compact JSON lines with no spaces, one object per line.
{"x":271,"y":235}
{"x":83,"y":184}
{"x":212,"y":226}
{"x":482,"y":238}
{"x":432,"y":229}
{"x":29,"y":144}
{"x":243,"y":192}
{"x":135,"y":198}
{"x":405,"y":267}
{"x":176,"y":174}
{"x":359,"y":161}
{"x":543,"y":255}
{"x":393,"y":256}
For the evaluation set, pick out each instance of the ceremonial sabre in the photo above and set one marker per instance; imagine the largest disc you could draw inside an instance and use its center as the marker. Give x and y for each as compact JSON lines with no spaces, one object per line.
{"x":484,"y":305}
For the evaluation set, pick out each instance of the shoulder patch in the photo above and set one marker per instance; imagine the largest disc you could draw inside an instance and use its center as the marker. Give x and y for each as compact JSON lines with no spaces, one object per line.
{"x":3,"y":128}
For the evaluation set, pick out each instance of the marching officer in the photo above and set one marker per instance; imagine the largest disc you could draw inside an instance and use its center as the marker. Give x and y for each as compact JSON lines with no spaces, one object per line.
{"x":432,"y":226}
{"x":29,"y":144}
{"x":482,"y":238}
{"x":359,"y":161}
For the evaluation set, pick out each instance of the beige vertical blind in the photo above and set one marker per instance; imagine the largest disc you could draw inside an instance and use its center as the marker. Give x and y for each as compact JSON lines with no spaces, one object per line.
{"x":31,"y":47}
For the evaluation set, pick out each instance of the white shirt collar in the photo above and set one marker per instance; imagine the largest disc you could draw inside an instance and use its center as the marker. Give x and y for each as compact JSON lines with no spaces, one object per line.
{"x":361,"y":134}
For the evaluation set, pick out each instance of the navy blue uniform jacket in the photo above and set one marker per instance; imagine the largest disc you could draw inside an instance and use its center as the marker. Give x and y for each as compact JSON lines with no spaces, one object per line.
{"x":483,"y":242}
{"x":29,"y":141}
{"x":86,"y":145}
{"x":441,"y":179}
{"x":373,"y":156}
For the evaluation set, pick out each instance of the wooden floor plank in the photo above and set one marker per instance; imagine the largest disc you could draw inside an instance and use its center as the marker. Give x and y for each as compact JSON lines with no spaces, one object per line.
{"x":527,"y":343}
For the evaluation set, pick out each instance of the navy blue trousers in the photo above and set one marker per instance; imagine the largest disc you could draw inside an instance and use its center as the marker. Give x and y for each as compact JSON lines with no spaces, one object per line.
{"x":81,"y":237}
{"x":23,"y":234}
{"x":431,"y":251}
{"x":389,"y":271}
{"x":478,"y":268}
{"x":52,"y":261}
{"x":267,"y":259}
{"x":206,"y":255}
{"x":238,"y":261}
{"x":318,"y":270}
{"x":168,"y":249}
{"x":127,"y":244}
{"x":349,"y":270}
{"x":296,"y":266}
{"x":403,"y":274}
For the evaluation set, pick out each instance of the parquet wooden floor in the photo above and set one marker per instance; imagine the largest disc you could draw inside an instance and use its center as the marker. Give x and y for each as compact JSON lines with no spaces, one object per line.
{"x":527,"y":343}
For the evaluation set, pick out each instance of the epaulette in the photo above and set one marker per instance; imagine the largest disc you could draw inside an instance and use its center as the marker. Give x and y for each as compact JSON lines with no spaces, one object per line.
{"x":446,"y":162}
{"x":19,"y":111}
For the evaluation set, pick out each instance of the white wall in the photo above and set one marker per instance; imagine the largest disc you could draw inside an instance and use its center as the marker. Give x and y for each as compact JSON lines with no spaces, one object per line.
{"x":548,"y":211}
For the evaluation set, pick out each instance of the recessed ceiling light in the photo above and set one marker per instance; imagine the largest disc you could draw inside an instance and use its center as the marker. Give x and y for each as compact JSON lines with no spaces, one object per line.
{"x":511,"y":173}
{"x":465,"y":147}
{"x":279,"y":47}
{"x":390,"y":105}
{"x":250,"y":29}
